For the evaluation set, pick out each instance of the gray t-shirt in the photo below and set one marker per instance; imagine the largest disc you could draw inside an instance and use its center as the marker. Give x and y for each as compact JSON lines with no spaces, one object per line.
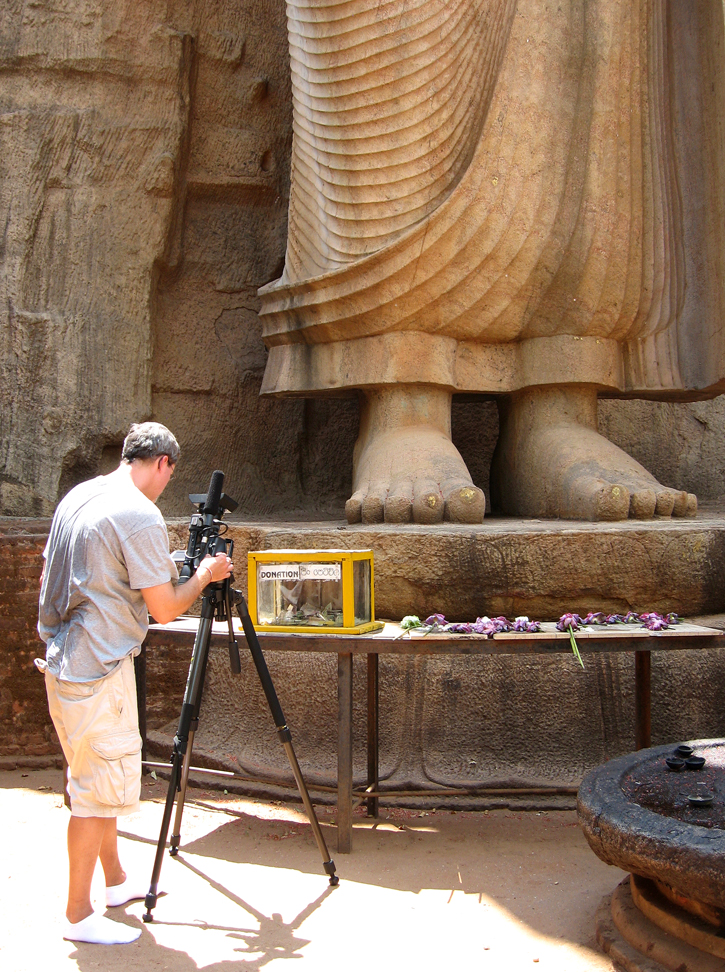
{"x":107,"y":541}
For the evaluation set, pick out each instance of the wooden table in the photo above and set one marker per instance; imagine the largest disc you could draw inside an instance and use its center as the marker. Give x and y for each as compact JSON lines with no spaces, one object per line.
{"x":617,"y":638}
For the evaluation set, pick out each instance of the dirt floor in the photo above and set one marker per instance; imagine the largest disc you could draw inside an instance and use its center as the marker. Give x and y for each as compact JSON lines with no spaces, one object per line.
{"x":424,"y":890}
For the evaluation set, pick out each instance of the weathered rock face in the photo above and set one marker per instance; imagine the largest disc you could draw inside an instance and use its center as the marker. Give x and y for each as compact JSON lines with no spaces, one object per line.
{"x":143,"y":190}
{"x":95,"y":106}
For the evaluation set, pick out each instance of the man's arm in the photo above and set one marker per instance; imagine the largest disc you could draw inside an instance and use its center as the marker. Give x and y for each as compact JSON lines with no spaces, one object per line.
{"x":167,"y":601}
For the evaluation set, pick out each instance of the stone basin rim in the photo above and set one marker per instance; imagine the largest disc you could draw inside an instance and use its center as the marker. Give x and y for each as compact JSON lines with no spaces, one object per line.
{"x":688,"y":857}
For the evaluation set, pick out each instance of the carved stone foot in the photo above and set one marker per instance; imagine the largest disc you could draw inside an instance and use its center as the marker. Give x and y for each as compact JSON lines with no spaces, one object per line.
{"x":550,"y":461}
{"x":406,"y":469}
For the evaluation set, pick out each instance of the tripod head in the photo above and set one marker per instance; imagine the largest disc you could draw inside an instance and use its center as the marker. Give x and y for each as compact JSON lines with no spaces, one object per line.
{"x":206,"y":528}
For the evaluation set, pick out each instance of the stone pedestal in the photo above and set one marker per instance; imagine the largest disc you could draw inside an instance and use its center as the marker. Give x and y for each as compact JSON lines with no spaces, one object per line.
{"x":510,"y":566}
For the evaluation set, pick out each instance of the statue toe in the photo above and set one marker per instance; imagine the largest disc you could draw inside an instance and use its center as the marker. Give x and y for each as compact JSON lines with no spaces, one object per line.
{"x":464,"y":503}
{"x":428,"y":503}
{"x":399,"y":503}
{"x":665,"y":502}
{"x":373,"y":506}
{"x":353,"y":507}
{"x":642,"y":504}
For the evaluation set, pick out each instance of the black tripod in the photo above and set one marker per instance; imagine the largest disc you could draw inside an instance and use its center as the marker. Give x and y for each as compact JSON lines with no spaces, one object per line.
{"x":217,"y":600}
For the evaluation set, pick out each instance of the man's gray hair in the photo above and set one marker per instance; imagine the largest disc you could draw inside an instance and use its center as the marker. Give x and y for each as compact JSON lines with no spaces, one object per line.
{"x":147,"y":440}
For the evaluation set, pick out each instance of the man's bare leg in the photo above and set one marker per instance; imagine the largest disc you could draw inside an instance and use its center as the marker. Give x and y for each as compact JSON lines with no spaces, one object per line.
{"x":120,"y":888}
{"x":110,"y":862}
{"x":85,"y":837}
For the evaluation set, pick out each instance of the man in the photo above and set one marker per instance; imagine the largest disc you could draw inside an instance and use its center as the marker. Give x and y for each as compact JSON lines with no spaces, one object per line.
{"x":107,"y":564}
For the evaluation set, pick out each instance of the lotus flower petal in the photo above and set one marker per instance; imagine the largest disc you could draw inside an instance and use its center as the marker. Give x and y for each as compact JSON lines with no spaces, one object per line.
{"x":567,"y":621}
{"x":656,"y":624}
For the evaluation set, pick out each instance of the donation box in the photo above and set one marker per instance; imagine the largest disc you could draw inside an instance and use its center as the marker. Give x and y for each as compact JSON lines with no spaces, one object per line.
{"x":320,"y":591}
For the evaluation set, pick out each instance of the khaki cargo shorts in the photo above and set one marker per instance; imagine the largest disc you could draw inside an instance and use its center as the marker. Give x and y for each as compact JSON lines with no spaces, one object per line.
{"x":97,"y":724}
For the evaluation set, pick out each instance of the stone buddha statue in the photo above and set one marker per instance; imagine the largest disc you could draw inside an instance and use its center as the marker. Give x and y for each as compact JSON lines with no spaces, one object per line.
{"x":511,"y":197}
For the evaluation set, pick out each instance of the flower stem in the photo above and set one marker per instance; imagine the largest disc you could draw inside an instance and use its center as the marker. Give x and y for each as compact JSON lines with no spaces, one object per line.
{"x":575,"y":646}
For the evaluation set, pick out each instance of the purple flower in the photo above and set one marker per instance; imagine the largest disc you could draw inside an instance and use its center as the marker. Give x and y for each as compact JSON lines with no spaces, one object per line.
{"x":672,"y":618}
{"x":630,"y":618}
{"x":567,"y":621}
{"x":435,"y":619}
{"x":656,"y":624}
{"x":484,"y":626}
{"x":614,"y":619}
{"x":594,"y":617}
{"x":649,"y":617}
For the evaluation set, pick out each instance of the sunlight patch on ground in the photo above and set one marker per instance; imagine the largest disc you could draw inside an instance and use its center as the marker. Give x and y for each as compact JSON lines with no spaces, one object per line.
{"x":269,"y":915}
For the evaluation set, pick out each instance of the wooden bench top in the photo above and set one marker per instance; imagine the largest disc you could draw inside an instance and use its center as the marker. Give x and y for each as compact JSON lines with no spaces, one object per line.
{"x":392,"y":640}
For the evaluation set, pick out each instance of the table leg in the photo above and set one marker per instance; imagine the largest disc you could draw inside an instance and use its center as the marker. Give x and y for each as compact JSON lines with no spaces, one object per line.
{"x":643,"y":699}
{"x":372,"y":802}
{"x":344,"y":753}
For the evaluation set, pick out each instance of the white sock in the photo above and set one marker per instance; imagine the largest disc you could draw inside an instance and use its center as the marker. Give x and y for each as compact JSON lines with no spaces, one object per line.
{"x":100,"y":930}
{"x":132,"y":888}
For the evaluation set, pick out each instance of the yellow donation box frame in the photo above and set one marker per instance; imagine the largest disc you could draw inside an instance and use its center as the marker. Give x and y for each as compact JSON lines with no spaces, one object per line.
{"x":313,"y":591}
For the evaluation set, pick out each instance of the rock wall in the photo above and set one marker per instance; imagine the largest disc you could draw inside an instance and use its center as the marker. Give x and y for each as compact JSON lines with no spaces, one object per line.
{"x":144,"y":155}
{"x":93,"y":119}
{"x":208,"y":352}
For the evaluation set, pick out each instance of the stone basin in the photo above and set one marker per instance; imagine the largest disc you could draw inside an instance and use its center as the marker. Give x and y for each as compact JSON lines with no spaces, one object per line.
{"x":635,"y":814}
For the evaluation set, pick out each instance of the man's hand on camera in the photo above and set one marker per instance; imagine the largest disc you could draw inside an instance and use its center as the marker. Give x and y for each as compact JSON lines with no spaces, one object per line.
{"x":166,"y":601}
{"x":218,"y":568}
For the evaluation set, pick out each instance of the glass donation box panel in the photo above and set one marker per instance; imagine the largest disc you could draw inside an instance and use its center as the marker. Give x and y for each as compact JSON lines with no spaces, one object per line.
{"x":320,"y":591}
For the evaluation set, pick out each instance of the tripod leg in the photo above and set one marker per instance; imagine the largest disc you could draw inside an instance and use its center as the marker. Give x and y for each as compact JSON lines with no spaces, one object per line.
{"x":189,"y":712}
{"x":327,"y":863}
{"x":181,"y":799}
{"x":151,"y":897}
{"x":283,"y":732}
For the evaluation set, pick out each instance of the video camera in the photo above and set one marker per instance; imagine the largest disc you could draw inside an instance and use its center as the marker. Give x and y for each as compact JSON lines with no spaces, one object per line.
{"x":206,"y":529}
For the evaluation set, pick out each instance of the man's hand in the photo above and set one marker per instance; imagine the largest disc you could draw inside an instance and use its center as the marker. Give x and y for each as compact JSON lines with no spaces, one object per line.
{"x":166,"y":601}
{"x":219,"y":567}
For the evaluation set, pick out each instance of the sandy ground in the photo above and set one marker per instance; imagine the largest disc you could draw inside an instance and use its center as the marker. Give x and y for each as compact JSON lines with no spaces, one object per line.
{"x":436,"y":891}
